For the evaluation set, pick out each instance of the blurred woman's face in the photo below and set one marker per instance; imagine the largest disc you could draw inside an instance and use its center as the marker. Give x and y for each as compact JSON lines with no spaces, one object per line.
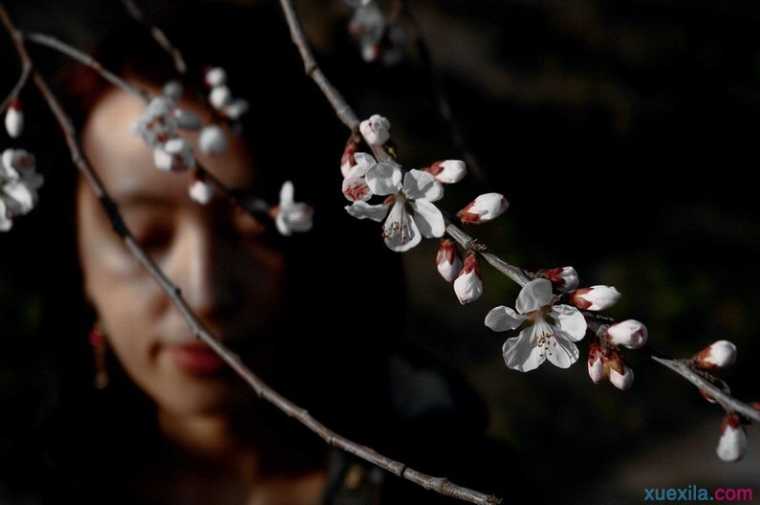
{"x":219,"y":257}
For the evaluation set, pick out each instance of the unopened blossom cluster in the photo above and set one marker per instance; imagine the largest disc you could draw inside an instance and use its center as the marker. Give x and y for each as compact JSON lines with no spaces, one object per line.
{"x":709,"y":362}
{"x":378,"y":38}
{"x":160,"y":126}
{"x":19,"y":180}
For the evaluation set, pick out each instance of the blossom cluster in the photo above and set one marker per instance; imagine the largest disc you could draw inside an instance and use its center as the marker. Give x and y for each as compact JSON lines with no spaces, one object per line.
{"x":19,"y":180}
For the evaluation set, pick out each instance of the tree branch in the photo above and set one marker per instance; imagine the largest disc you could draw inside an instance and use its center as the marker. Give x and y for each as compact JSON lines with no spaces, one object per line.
{"x":440,"y":485}
{"x":158,"y":35}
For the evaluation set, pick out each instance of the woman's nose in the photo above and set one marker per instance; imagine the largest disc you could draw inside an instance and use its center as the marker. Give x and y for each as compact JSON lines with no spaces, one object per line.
{"x":201,"y":270}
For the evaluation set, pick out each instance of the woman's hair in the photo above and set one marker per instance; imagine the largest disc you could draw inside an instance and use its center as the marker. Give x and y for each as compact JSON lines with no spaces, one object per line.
{"x":340,"y":276}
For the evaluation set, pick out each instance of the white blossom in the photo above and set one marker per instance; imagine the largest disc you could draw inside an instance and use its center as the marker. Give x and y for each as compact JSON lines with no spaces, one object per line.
{"x":375,"y":130}
{"x":733,"y":439}
{"x":157,"y":123}
{"x":595,"y":297}
{"x":212,"y":140}
{"x":447,"y":260}
{"x":719,"y":354}
{"x":549,"y":332}
{"x":410,"y":212}
{"x":448,"y":171}
{"x":291,"y":216}
{"x":484,"y":208}
{"x":468,"y":285}
{"x":367,"y":26}
{"x":629,"y":333}
{"x":14,"y":119}
{"x":19,"y":183}
{"x":236,"y":108}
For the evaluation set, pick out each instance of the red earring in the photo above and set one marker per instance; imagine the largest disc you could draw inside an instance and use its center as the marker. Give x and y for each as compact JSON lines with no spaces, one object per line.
{"x":98,"y":343}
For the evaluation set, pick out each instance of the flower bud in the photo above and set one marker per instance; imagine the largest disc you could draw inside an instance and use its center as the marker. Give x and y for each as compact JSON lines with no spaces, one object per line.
{"x":596,"y":368}
{"x":622,"y":380}
{"x":235,"y":109}
{"x":216,"y":77}
{"x":15,"y":161}
{"x":219,"y":96}
{"x":563,"y":278}
{"x":448,"y":171}
{"x":595,"y":297}
{"x":347,"y":160}
{"x":200,"y":191}
{"x":468,"y":287}
{"x":484,"y":208}
{"x":173,"y":89}
{"x":375,"y":130}
{"x":733,"y":439}
{"x":182,"y":152}
{"x":447,"y":260}
{"x":212,"y":140}
{"x":719,"y":354}
{"x":14,"y":119}
{"x":629,"y":333}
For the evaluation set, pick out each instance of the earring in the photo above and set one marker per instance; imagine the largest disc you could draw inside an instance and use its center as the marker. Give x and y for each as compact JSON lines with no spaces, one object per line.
{"x":98,"y":343}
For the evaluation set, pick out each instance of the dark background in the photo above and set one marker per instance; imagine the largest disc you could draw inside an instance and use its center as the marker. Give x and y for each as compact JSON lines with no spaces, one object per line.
{"x":624,"y":135}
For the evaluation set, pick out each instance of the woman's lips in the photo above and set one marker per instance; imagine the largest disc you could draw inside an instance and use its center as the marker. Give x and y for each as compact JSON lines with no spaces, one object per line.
{"x":196,"y":358}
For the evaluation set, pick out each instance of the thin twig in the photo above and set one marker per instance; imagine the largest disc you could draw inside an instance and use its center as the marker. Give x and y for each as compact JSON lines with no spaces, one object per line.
{"x":437,"y":484}
{"x":344,"y":111}
{"x":728,"y":402}
{"x":26,"y":71}
{"x":158,"y":35}
{"x":442,"y":97}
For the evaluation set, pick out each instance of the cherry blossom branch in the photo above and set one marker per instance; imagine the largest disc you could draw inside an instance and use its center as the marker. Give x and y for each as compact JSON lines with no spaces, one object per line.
{"x":728,"y":402}
{"x":437,"y":484}
{"x":158,"y":35}
{"x":254,"y":208}
{"x":598,"y":323}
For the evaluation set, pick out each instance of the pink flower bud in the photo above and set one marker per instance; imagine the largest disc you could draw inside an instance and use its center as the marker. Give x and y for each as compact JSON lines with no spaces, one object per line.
{"x":447,"y":260}
{"x":622,"y":380}
{"x":14,"y":118}
{"x":468,"y":287}
{"x":595,"y":297}
{"x":563,"y":278}
{"x":212,"y":140}
{"x":629,"y":333}
{"x":596,"y":368}
{"x":216,"y":77}
{"x":201,"y":192}
{"x":219,"y":96}
{"x":375,"y":130}
{"x":733,"y":439}
{"x":448,"y":171}
{"x":484,"y":208}
{"x":719,"y":354}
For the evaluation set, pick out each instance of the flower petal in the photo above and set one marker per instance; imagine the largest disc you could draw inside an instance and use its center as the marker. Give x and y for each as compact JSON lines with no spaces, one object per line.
{"x":286,"y":193}
{"x":400,"y":231}
{"x":503,"y":318}
{"x":419,"y":184}
{"x":355,"y":188}
{"x":384,"y":178}
{"x":570,"y":320}
{"x":428,"y":218}
{"x":363,"y":210}
{"x":561,"y":351}
{"x":521,"y":354}
{"x":536,"y":294}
